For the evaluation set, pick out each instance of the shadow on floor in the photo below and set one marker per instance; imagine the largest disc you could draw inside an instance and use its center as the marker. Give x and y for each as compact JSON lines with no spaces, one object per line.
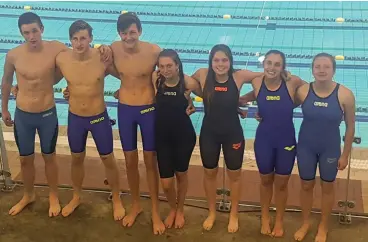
{"x":93,"y":222}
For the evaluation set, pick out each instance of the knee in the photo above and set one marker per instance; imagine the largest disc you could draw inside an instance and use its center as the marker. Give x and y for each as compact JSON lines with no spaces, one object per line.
{"x":78,"y":158}
{"x":308,"y":186}
{"x":181,"y":176}
{"x":234,"y":176}
{"x":267,"y":180}
{"x":26,"y":161}
{"x":281,"y":183}
{"x":108,"y":160}
{"x":327,"y":187}
{"x":167,"y":183}
{"x":150,"y":160}
{"x":210,"y":174}
{"x":49,"y":157}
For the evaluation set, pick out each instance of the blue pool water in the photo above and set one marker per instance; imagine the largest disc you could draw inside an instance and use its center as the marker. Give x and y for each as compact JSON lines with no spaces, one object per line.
{"x":296,"y":28}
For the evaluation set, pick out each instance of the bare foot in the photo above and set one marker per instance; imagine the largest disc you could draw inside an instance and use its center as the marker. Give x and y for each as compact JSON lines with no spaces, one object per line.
{"x":119,"y":210}
{"x":55,"y":207}
{"x":302,"y":232}
{"x":72,"y":205}
{"x":278,"y":229}
{"x":129,"y":220}
{"x":321,"y":234}
{"x":158,"y":225}
{"x":233,"y":224}
{"x":17,"y":208}
{"x":180,"y":219}
{"x":265,"y":226}
{"x":209,"y":222}
{"x":169,"y":221}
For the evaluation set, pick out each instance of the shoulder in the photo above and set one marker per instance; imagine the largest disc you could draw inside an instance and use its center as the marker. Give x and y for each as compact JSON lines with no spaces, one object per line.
{"x":57,"y":46}
{"x":115,"y":43}
{"x":346,"y":95}
{"x":14,"y":53}
{"x":152,"y":48}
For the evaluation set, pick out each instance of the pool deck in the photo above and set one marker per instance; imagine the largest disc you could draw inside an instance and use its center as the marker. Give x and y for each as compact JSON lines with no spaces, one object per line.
{"x":358,"y":191}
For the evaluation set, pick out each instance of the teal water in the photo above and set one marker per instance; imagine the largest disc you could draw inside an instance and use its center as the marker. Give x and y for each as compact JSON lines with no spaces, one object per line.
{"x":292,"y":36}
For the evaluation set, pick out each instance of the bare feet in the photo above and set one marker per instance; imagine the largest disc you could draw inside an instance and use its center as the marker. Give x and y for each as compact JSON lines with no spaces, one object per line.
{"x":169,"y":221}
{"x":158,"y":225}
{"x":233,"y":224}
{"x":72,"y":205}
{"x":265,"y":225}
{"x":180,"y":219}
{"x":119,"y":210}
{"x":321,"y":234}
{"x":26,"y":199}
{"x":278,"y":229}
{"x":209,"y":222}
{"x":302,"y":232}
{"x":55,"y":207}
{"x":129,"y":220}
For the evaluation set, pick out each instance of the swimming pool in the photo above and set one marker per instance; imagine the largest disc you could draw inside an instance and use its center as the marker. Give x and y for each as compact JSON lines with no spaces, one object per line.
{"x":299,"y":29}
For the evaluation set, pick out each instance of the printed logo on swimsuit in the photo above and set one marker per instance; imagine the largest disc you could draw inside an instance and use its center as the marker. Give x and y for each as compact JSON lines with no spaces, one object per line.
{"x":170,"y":93}
{"x":97,"y":120}
{"x":273,"y":98}
{"x":320,"y":104}
{"x":47,"y":114}
{"x":147,"y":110}
{"x":237,"y":146}
{"x":289,"y":148}
{"x":221,"y":89}
{"x":331,"y":160}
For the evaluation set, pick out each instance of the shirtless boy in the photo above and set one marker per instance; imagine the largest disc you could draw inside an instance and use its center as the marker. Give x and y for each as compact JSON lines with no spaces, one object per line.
{"x":135,"y":61}
{"x":34,"y":65}
{"x":85,"y":72}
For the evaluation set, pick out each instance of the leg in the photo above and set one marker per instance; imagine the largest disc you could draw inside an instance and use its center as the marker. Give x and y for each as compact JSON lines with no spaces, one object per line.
{"x":77,"y":171}
{"x":285,"y":159}
{"x":147,"y":125}
{"x":102,"y":135}
{"x":234,"y":154}
{"x":328,"y":171}
{"x":24,"y":134}
{"x":48,"y":131}
{"x":307,"y":165}
{"x":210,"y":154}
{"x":183,"y":152}
{"x":265,"y":158}
{"x":128,"y":136}
{"x":77,"y":137}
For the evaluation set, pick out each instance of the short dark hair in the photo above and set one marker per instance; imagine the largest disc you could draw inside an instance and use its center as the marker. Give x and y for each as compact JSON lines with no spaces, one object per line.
{"x":78,"y":26}
{"x":323,"y":54}
{"x":127,"y":19}
{"x":29,"y":18}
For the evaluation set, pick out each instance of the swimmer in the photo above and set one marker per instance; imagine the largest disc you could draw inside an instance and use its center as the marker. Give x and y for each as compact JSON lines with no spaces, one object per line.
{"x":176,"y":137}
{"x":135,"y":60}
{"x":275,"y":143}
{"x":221,"y":128}
{"x":325,"y":104}
{"x":85,"y":72}
{"x":34,"y":65}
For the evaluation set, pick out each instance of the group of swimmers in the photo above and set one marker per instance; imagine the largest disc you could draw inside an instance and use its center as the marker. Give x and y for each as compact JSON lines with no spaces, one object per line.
{"x":159,"y":102}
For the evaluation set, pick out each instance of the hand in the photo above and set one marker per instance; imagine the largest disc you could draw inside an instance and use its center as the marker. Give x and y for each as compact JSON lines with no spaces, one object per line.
{"x":7,"y":118}
{"x":14,"y":90}
{"x":66,"y":93}
{"x":286,"y":75}
{"x":257,"y":117}
{"x":243,"y":113}
{"x":116,"y":94}
{"x":243,"y":102}
{"x":106,"y":53}
{"x":342,"y":163}
{"x":190,"y":109}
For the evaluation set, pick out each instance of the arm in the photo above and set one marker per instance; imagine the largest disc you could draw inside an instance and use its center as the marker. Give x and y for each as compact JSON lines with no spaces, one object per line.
{"x":349,"y":117}
{"x":247,"y":76}
{"x":59,"y":47}
{"x":154,"y":79}
{"x":193,"y":86}
{"x":7,"y":82}
{"x":111,"y":70}
{"x":248,"y":97}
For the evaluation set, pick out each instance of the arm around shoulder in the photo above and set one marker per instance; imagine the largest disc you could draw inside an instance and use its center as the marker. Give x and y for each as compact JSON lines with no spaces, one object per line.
{"x":7,"y":80}
{"x":193,"y":85}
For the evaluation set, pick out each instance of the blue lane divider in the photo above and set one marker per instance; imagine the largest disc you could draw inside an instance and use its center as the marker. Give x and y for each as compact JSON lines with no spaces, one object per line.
{"x":251,"y":110}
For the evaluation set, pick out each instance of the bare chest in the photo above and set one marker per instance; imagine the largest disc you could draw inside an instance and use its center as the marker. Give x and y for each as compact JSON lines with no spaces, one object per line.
{"x":35,"y":67}
{"x":137,"y":66}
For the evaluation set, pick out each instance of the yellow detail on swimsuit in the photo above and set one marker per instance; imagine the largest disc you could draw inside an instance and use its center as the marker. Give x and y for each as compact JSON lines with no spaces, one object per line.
{"x":320,"y":104}
{"x":147,"y":110}
{"x":289,"y":148}
{"x":97,"y":120}
{"x":273,"y":98}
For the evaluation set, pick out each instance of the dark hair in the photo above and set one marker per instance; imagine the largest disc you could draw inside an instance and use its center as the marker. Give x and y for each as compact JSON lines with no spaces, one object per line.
{"x":29,"y":18}
{"x":211,"y":75}
{"x":323,"y":54}
{"x":78,"y":26}
{"x":125,"y":20}
{"x":175,"y":57}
